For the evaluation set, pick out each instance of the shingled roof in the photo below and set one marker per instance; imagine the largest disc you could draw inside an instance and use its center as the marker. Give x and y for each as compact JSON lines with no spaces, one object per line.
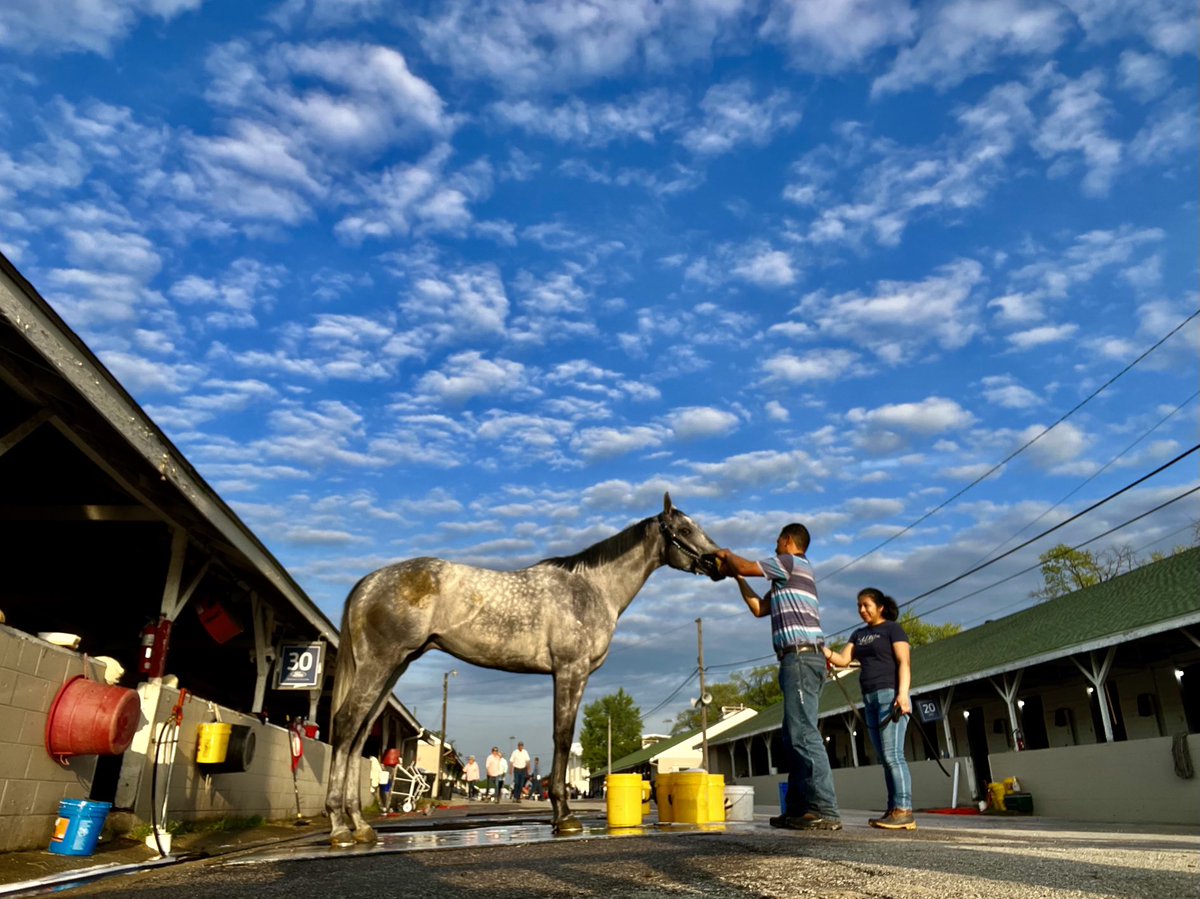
{"x":1157,"y":597}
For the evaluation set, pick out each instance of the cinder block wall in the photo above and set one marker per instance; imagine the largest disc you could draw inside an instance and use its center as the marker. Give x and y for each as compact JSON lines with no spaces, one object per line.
{"x":31,"y":783}
{"x":265,"y":789}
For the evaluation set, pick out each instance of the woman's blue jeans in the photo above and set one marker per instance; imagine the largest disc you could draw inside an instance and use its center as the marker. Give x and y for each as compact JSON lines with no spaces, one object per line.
{"x":810,"y":780}
{"x":887,"y":736}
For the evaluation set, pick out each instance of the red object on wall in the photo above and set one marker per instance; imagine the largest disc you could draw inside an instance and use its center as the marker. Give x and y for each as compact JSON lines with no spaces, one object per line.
{"x":391,"y":758}
{"x":91,"y":718}
{"x":155,"y":638}
{"x":221,"y":626}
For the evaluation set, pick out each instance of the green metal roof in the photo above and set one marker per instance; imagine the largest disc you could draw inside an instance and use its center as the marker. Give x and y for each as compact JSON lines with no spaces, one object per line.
{"x":1151,"y":599}
{"x":642,"y":756}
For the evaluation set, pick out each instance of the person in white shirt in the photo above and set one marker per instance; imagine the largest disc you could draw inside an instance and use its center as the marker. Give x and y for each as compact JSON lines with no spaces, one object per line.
{"x":496,"y":769}
{"x":471,"y":776}
{"x":520,"y":768}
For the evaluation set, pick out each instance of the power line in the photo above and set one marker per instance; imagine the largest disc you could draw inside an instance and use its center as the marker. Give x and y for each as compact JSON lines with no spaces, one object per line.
{"x":1025,"y":599}
{"x":1051,"y":530}
{"x":1019,"y":449}
{"x":674,"y":693}
{"x":1094,"y":475}
{"x":1010,"y":577}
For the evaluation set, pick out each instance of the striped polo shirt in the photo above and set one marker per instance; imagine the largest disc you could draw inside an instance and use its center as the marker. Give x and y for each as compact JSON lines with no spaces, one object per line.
{"x":795,"y":611}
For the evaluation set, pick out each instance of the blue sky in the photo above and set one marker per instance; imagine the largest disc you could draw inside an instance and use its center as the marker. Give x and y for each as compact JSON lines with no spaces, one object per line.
{"x":482,"y":280}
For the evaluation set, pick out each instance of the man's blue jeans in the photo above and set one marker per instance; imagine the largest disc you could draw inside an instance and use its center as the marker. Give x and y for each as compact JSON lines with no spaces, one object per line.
{"x":810,"y":780}
{"x":518,"y":782}
{"x":888,"y":738}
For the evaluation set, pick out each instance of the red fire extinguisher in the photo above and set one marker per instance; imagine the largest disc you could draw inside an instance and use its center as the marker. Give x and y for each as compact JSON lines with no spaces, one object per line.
{"x":155,"y":636}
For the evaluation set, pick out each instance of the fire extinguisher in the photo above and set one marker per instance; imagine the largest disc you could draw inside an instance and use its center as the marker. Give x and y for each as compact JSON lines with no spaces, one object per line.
{"x":155,"y":636}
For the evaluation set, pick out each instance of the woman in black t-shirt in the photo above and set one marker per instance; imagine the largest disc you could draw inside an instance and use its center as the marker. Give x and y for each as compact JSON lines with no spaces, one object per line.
{"x":883,"y":651}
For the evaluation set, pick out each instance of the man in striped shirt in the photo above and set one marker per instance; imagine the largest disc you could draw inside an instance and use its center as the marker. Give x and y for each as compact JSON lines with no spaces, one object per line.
{"x":791,"y":601}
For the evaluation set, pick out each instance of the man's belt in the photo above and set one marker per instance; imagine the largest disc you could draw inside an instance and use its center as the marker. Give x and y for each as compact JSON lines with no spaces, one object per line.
{"x":799,"y":647}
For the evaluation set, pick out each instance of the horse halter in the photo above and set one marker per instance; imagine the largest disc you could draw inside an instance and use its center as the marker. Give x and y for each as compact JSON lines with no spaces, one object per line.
{"x":674,"y":539}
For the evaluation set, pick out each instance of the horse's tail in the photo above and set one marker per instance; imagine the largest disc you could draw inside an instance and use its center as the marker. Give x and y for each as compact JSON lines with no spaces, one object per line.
{"x":347,"y":665}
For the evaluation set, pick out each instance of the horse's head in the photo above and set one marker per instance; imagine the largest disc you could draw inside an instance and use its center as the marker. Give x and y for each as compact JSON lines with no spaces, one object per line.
{"x":687,"y":547}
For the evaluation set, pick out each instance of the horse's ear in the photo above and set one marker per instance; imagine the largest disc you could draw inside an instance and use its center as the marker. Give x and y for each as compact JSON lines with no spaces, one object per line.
{"x":667,"y":507}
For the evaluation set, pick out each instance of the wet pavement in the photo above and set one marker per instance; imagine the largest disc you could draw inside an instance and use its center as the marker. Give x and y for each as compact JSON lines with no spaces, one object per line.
{"x":500,"y":853}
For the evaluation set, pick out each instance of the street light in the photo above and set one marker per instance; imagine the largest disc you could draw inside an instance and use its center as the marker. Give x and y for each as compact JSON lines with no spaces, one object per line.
{"x":437,"y":777}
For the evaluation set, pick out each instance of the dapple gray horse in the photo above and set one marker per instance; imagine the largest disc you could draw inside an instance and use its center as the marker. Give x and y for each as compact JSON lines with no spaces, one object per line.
{"x":394,"y":615}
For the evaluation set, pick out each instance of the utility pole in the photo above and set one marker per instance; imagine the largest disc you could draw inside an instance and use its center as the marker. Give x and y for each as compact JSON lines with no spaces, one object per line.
{"x":610,"y":741}
{"x":437,"y":777}
{"x":703,"y":702}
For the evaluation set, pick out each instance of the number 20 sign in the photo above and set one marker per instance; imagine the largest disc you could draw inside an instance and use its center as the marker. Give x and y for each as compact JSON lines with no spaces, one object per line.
{"x":301,"y":665}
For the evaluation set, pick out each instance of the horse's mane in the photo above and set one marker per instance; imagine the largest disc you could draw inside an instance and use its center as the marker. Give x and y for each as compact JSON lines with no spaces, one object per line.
{"x":606,"y":550}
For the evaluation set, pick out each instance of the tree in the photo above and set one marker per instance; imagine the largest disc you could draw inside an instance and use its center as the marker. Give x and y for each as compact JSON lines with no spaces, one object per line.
{"x":920,"y":633}
{"x":626,"y":729}
{"x":1065,"y":570}
{"x":756,"y":690}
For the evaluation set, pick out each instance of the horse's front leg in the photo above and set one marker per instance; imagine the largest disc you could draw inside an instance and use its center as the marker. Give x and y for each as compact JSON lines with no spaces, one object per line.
{"x":568,"y":692}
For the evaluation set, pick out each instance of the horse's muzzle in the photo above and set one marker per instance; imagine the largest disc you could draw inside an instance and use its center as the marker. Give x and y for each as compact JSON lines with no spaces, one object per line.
{"x":709,"y":565}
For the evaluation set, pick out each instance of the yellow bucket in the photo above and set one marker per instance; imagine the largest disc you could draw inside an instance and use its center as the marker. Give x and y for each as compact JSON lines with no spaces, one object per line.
{"x":997,"y":794}
{"x":214,"y":743}
{"x":624,"y":800}
{"x":716,"y":799}
{"x":690,"y":795}
{"x":662,"y":796}
{"x":645,"y":798}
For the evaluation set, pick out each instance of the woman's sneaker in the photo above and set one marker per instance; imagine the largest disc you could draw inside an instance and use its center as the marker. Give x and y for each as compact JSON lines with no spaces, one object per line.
{"x":896,"y":819}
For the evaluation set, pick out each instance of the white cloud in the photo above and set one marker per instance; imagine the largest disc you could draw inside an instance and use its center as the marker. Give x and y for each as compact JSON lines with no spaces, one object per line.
{"x":1167,"y":25}
{"x":836,"y":34}
{"x":416,"y":197}
{"x":699,"y":422}
{"x":961,"y":38}
{"x":1169,"y":132}
{"x":1145,"y":75}
{"x":1062,"y":445}
{"x":760,"y":468}
{"x":1041,"y":336}
{"x":1075,"y":125}
{"x":603,"y":443}
{"x":467,"y":375}
{"x":815,"y":365}
{"x":895,"y":184}
{"x":1003,"y":391}
{"x":526,"y":46}
{"x":933,"y":415}
{"x":28,"y":26}
{"x":899,"y":318}
{"x":641,"y":117}
{"x":454,"y":306}
{"x":331,"y":95}
{"x":732,"y":116}
{"x":767,"y":268}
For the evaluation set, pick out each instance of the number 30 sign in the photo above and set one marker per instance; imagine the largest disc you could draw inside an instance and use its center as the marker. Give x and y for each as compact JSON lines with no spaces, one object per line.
{"x":301,"y":665}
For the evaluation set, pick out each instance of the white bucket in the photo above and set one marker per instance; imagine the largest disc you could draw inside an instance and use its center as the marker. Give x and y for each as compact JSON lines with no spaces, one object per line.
{"x":739,"y":803}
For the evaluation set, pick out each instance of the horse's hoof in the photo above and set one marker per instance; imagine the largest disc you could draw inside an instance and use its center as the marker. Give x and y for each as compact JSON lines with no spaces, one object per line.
{"x":341,"y":837}
{"x":570,"y":824}
{"x":365,"y":835}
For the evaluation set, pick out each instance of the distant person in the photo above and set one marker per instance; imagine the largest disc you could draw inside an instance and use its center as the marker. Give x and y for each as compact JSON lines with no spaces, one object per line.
{"x":520,"y":770}
{"x":796,"y":636}
{"x":496,"y":769}
{"x":471,"y":776}
{"x":883,"y":650}
{"x":535,"y":777}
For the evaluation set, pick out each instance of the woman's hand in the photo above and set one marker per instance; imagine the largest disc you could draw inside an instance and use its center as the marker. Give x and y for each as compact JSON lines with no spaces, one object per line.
{"x":904,"y":704}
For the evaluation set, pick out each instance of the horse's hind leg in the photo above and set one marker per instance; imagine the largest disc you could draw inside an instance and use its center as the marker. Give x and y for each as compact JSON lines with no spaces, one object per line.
{"x":352,"y":724}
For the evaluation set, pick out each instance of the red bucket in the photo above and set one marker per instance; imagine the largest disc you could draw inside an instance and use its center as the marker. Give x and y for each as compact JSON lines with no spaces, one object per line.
{"x":91,"y":718}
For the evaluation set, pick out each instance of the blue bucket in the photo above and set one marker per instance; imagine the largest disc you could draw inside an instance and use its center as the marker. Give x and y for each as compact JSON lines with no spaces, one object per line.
{"x":78,"y":827}
{"x":783,"y":797}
